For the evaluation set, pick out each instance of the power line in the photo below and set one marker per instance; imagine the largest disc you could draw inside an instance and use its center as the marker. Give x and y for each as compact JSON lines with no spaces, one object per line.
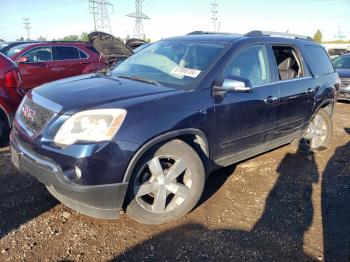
{"x":214,"y":18}
{"x":139,"y":30}
{"x":99,"y":10}
{"x":26,"y":24}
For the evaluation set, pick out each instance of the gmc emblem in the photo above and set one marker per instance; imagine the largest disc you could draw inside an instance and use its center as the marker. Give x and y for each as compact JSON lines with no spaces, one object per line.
{"x":28,"y":113}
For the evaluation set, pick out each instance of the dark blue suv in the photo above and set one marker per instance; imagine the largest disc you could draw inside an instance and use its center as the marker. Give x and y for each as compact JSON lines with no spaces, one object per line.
{"x":144,"y":136}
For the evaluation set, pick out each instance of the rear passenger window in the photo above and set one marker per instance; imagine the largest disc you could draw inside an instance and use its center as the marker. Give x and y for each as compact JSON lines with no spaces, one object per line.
{"x":289,"y":64}
{"x":82,"y":54}
{"x":65,"y":53}
{"x":319,"y":61}
{"x":251,"y":63}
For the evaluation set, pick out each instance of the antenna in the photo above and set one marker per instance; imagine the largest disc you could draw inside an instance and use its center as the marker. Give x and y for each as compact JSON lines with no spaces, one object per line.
{"x":214,"y":18}
{"x":26,"y":24}
{"x":139,"y":30}
{"x":98,"y":8}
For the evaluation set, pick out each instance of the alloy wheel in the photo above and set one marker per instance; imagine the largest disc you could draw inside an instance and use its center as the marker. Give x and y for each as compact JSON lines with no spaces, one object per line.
{"x":317,"y":132}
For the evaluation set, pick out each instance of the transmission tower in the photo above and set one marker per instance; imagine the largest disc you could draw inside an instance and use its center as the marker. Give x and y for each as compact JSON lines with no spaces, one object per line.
{"x":139,"y":30}
{"x":214,"y":18}
{"x":26,"y":24}
{"x":99,"y":10}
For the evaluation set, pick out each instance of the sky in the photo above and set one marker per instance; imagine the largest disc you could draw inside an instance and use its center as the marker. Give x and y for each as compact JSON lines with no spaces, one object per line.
{"x":55,"y":19}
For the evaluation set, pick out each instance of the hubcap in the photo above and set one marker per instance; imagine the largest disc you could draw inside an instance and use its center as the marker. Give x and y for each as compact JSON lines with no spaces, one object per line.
{"x":317,"y":132}
{"x":163,"y":184}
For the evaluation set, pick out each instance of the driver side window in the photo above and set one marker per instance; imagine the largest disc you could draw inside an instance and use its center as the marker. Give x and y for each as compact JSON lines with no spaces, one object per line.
{"x":42,"y":54}
{"x":250,"y":63}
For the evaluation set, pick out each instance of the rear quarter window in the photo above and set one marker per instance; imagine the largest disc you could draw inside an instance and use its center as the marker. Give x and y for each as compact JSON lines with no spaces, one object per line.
{"x":318,"y":60}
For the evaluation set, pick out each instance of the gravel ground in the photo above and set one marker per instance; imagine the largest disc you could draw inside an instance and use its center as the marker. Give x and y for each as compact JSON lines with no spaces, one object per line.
{"x":284,"y":205}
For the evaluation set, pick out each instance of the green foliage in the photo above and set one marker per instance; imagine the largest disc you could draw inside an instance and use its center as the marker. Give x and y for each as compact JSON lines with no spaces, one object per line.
{"x":70,"y":38}
{"x":41,"y":38}
{"x":84,"y":37}
{"x":318,"y":36}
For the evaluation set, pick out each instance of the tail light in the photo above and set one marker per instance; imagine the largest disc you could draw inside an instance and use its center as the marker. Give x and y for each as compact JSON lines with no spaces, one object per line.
{"x":12,"y":79}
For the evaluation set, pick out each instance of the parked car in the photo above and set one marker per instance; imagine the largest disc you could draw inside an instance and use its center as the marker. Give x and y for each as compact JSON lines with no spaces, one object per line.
{"x":44,"y":62}
{"x":5,"y":46}
{"x":111,"y":48}
{"x":10,"y":95}
{"x":145,"y":136}
{"x":342,"y":66}
{"x":335,"y":52}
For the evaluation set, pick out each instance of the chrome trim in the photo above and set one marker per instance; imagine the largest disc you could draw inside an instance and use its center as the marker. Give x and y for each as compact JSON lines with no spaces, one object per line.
{"x":52,"y":60}
{"x":47,"y":103}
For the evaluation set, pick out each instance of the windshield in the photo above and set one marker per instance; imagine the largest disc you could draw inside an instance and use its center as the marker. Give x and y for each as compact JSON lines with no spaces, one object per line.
{"x":342,"y":62}
{"x":174,"y":63}
{"x":14,"y":50}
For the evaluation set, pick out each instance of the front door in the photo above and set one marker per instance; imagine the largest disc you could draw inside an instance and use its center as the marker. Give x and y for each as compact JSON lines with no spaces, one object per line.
{"x":242,"y":120}
{"x":37,"y":68}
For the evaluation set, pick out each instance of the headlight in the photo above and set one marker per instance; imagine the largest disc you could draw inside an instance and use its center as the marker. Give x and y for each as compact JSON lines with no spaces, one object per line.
{"x":90,"y":126}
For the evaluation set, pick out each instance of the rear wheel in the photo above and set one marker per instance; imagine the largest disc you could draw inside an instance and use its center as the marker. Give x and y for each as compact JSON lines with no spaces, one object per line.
{"x":320,"y":131}
{"x":166,"y":184}
{"x":4,"y":131}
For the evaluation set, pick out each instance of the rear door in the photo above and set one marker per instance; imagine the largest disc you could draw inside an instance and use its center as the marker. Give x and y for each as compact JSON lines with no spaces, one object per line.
{"x":297,"y":89}
{"x":37,"y":69}
{"x":242,"y":120}
{"x":67,"y":61}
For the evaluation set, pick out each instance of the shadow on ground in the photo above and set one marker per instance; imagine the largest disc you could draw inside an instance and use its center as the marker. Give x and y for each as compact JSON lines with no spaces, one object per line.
{"x":22,"y":197}
{"x":336,"y":205}
{"x":277,"y":235}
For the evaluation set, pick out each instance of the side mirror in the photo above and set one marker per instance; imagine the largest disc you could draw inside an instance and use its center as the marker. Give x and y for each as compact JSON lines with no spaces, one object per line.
{"x":234,"y":84}
{"x":22,"y":59}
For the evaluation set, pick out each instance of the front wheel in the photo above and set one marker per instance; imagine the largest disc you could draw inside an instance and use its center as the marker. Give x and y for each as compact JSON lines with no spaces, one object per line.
{"x":166,"y":184}
{"x":320,"y":131}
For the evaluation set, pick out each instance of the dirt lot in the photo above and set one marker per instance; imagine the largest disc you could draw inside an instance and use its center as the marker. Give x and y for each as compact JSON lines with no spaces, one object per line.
{"x":283,"y":205}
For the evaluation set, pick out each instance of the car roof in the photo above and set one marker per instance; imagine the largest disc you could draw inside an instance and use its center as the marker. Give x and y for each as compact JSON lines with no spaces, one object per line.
{"x":253,"y":35}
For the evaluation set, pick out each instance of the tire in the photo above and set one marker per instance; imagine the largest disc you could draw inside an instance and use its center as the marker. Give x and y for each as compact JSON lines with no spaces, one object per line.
{"x":320,"y":131}
{"x":4,"y":132}
{"x":174,"y":172}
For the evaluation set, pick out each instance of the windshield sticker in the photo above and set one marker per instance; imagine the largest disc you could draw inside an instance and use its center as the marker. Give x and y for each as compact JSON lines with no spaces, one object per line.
{"x":186,"y":72}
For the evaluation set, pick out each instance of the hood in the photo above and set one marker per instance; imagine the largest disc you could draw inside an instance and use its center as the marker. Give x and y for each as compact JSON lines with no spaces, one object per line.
{"x":108,"y":45}
{"x":343,"y":72}
{"x":91,"y":90}
{"x":134,"y":43}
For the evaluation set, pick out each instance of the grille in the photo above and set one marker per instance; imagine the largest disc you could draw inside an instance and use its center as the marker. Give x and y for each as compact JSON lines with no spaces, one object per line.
{"x":34,"y":116}
{"x":345,"y":82}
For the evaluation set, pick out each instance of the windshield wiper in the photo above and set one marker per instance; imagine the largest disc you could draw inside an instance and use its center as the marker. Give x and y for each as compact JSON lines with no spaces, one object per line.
{"x":141,"y":79}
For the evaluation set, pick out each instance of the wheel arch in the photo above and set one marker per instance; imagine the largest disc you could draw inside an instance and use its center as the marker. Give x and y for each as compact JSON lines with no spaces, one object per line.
{"x":6,"y":116}
{"x":328,"y":105}
{"x":194,"y":137}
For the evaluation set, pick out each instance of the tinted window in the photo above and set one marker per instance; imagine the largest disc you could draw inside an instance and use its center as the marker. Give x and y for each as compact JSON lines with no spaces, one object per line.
{"x":41,"y":54}
{"x":65,"y":53}
{"x":319,"y":61}
{"x":342,"y":62}
{"x":82,"y":54}
{"x":251,"y":63}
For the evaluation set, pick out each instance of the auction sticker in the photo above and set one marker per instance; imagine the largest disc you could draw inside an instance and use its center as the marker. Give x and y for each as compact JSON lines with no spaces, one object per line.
{"x":186,"y":72}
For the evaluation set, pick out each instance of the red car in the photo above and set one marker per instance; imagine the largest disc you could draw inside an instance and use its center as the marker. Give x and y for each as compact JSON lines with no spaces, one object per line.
{"x":10,"y":95}
{"x":44,"y":62}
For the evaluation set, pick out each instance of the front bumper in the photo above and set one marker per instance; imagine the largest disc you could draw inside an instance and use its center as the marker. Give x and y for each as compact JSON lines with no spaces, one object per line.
{"x":100,"y":201}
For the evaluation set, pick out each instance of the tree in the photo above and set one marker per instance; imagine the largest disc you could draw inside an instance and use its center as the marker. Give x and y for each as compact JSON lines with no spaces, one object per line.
{"x":70,"y":38}
{"x":41,"y":38}
{"x":318,"y":36}
{"x":84,"y":37}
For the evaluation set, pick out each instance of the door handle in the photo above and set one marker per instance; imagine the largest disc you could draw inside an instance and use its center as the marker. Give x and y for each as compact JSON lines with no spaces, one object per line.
{"x":270,"y":99}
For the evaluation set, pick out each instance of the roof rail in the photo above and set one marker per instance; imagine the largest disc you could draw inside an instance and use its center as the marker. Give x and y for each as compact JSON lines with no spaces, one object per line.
{"x":280,"y":34}
{"x":205,"y":33}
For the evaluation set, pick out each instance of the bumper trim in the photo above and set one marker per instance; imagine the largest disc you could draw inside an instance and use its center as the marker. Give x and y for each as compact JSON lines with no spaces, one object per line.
{"x":99,"y":201}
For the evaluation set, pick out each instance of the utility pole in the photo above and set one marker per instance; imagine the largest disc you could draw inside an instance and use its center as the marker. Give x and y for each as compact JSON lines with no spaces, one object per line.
{"x":26,"y":24}
{"x":139,"y":30}
{"x":99,"y":10}
{"x":340,"y":35}
{"x":214,"y":18}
